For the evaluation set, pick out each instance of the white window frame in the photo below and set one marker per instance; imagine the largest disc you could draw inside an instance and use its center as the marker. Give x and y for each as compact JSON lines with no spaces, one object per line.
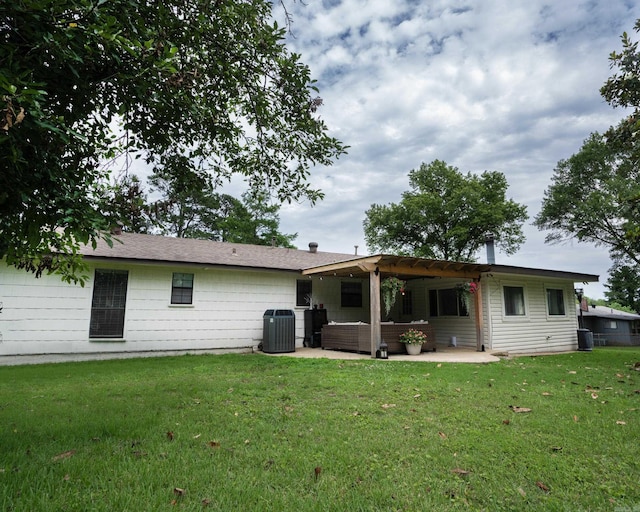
{"x":514,"y":318}
{"x":193,"y":289}
{"x":551,"y":316}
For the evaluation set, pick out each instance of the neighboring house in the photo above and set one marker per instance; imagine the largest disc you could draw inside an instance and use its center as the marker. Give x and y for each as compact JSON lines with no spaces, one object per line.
{"x":611,"y":326}
{"x":161,"y":294}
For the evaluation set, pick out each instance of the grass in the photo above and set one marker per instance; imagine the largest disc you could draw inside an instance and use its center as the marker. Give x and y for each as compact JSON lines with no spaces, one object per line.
{"x":250,"y":432}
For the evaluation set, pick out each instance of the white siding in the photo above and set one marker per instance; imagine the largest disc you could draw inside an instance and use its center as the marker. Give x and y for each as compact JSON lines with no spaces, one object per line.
{"x":536,"y":331}
{"x":45,"y":315}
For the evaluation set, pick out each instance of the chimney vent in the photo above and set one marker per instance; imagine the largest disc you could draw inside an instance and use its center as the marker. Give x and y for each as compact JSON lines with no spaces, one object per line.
{"x":489,"y":239}
{"x":313,"y":247}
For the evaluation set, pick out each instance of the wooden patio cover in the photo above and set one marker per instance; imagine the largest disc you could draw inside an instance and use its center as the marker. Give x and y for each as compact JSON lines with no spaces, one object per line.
{"x":404,"y":267}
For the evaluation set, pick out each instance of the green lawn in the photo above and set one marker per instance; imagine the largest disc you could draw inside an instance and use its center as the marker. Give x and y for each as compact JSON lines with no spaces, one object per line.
{"x":251,"y":432}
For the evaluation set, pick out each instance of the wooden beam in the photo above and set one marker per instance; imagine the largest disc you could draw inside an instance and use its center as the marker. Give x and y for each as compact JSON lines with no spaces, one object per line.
{"x":374,"y":310}
{"x":479,"y":316}
{"x":428,"y":272}
{"x":341,"y":266}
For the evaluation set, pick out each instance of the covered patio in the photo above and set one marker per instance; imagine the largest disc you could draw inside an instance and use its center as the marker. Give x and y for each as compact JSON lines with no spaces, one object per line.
{"x":378,"y":267}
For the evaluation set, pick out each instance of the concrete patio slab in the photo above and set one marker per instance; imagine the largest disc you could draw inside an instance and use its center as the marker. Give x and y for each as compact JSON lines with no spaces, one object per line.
{"x":441,"y":355}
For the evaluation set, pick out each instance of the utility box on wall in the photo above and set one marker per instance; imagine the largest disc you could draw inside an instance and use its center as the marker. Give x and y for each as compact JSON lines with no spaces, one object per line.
{"x":279,"y":331}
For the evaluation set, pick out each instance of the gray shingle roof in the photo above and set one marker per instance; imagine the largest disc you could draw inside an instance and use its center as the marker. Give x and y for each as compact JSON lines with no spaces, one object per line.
{"x":607,"y":312}
{"x":147,"y":248}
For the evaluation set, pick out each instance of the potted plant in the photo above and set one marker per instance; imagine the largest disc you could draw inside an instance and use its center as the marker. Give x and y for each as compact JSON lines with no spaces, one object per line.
{"x":413,"y":341}
{"x":390,"y":288}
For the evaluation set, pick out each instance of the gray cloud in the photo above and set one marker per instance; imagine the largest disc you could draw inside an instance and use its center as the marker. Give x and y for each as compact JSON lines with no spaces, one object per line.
{"x":492,"y":85}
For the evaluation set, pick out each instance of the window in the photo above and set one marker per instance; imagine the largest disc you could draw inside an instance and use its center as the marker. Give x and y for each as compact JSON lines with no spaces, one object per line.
{"x":407,"y":303}
{"x":108,"y":304}
{"x":446,"y":302}
{"x":303,"y":292}
{"x":351,"y":294}
{"x":433,"y":302}
{"x":182,"y":288}
{"x":513,"y":301}
{"x":611,"y":324}
{"x":555,"y":302}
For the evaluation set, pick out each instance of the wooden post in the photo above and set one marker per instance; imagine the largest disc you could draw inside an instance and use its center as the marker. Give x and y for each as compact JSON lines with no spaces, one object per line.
{"x":374,"y":308}
{"x":479,"y":318}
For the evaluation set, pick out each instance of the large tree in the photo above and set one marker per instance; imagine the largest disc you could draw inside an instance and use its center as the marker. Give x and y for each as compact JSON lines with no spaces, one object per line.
{"x":195,"y":210}
{"x":446,"y":215}
{"x":595,"y":194}
{"x":624,"y":285}
{"x":593,"y":198}
{"x":201,"y":88}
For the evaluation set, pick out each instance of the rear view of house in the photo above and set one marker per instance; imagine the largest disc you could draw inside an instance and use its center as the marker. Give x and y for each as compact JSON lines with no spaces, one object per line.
{"x":153,"y":294}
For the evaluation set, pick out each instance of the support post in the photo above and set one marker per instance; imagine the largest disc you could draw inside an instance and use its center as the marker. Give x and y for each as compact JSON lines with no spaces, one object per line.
{"x":477,"y":302}
{"x":374,"y":309}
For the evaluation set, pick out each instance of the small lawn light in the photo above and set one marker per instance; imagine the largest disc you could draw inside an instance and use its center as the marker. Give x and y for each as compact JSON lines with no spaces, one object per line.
{"x":384,"y":350}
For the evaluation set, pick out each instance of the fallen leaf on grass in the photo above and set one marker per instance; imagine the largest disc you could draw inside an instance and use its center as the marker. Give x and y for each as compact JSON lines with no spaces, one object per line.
{"x":317,"y":472}
{"x":386,"y":406}
{"x":179,"y":492}
{"x":522,"y":493}
{"x":620,"y":422}
{"x":170,"y":436}
{"x":418,"y":395}
{"x":546,"y":393}
{"x":542,"y":486}
{"x":556,"y":448}
{"x":64,"y":455}
{"x":460,"y":472}
{"x":594,"y":396}
{"x":506,"y":422}
{"x":573,"y":372}
{"x":442,"y":435}
{"x":214,"y":444}
{"x":515,"y":408}
{"x":206,"y":502}
{"x":439,"y":365}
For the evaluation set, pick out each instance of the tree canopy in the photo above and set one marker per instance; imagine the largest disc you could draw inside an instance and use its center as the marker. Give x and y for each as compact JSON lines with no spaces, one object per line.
{"x":592,"y":198}
{"x":446,"y":215}
{"x":190,"y":211}
{"x":197,"y":89}
{"x":595,"y":194}
{"x":623,"y":286}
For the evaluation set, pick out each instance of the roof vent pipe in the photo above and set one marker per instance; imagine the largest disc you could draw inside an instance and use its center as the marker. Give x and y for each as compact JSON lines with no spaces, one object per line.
{"x":489,"y":239}
{"x":313,"y":247}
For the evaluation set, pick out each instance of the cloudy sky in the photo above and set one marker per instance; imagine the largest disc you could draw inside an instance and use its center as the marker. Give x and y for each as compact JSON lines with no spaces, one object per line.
{"x":500,"y":85}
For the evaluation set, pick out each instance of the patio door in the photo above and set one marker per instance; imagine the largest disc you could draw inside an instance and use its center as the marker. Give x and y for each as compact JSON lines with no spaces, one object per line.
{"x":108,"y":304}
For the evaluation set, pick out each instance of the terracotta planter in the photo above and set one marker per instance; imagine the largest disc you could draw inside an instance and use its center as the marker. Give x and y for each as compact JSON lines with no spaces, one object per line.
{"x":413,"y":350}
